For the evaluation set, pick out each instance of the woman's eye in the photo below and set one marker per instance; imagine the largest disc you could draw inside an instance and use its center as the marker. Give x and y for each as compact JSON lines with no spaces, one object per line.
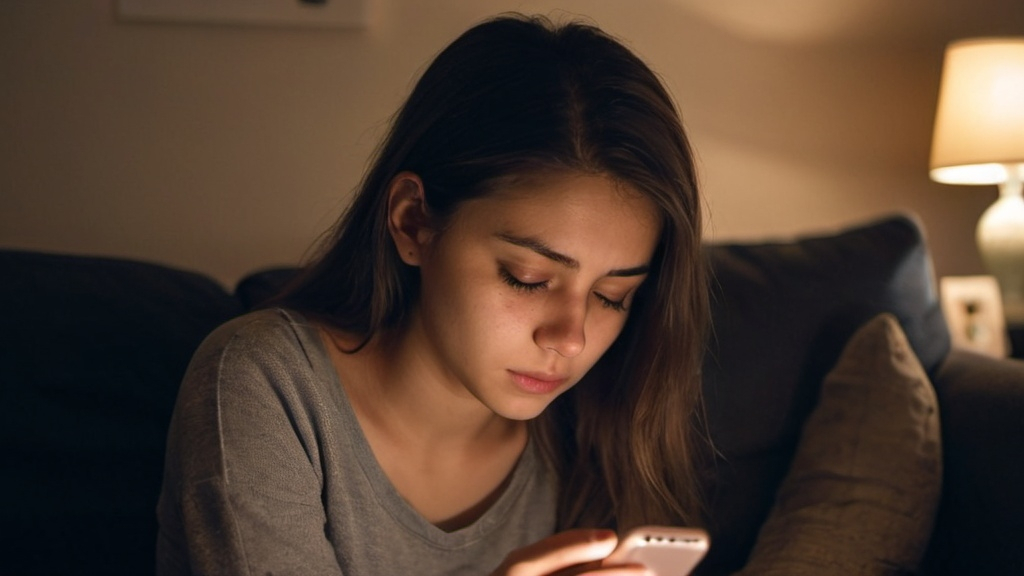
{"x":617,"y":305}
{"x":519,"y":285}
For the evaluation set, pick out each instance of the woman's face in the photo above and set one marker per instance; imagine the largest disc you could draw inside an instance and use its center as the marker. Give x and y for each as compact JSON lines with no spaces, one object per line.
{"x":526,"y":288}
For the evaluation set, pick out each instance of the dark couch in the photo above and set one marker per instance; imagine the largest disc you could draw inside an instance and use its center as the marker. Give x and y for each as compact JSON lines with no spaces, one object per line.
{"x":92,"y":350}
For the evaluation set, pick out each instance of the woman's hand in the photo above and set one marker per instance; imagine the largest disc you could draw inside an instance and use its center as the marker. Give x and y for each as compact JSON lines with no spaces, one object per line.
{"x":570,"y":553}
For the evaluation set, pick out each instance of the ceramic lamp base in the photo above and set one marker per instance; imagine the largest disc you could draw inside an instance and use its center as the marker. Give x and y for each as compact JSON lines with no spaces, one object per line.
{"x":1000,"y":237}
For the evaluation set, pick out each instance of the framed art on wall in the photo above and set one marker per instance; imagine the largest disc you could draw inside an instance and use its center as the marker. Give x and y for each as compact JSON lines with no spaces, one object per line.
{"x":974,"y":311}
{"x":308,"y":13}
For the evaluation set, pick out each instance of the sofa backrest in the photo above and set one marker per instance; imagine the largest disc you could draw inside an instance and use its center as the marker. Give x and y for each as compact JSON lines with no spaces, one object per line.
{"x":781,"y":315}
{"x":91,"y":354}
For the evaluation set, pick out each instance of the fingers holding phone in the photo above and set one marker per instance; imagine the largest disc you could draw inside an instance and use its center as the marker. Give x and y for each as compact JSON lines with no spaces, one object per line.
{"x":570,"y":553}
{"x":648,"y":550}
{"x":663,"y":550}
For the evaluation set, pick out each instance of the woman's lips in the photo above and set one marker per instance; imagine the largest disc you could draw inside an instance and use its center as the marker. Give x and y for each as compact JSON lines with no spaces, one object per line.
{"x":537,"y":383}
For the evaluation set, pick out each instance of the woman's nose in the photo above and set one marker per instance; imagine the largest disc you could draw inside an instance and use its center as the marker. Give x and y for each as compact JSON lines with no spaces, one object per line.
{"x":562,"y":328}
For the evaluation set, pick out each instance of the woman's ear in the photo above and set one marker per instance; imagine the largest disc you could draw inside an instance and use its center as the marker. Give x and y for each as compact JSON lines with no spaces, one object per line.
{"x":408,"y":217}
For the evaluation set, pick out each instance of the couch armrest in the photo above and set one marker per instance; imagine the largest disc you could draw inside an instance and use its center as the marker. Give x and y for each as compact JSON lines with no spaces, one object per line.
{"x":981,"y":518}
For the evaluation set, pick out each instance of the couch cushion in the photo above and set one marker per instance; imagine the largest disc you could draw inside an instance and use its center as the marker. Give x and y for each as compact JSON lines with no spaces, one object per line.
{"x":782,"y":313}
{"x":861,"y":494}
{"x":91,"y":355}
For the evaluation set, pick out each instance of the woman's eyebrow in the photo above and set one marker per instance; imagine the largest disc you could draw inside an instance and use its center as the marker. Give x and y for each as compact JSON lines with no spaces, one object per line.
{"x":540,"y":248}
{"x":635,"y":271}
{"x":546,"y":251}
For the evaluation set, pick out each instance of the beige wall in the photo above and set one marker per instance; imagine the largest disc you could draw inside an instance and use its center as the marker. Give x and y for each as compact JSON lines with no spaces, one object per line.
{"x":224,"y":149}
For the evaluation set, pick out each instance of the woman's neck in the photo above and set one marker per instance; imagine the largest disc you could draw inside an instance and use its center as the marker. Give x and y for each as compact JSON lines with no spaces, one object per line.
{"x":395,"y":384}
{"x":446,"y":453}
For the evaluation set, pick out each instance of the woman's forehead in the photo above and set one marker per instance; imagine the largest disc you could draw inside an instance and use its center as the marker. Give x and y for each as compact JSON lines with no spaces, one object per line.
{"x":568,"y":213}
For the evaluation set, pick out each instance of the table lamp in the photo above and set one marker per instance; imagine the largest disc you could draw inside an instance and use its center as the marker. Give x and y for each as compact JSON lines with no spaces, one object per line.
{"x":979,"y":139}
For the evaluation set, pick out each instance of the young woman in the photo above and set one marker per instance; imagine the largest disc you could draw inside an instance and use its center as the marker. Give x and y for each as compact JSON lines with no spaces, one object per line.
{"x":493,"y":362}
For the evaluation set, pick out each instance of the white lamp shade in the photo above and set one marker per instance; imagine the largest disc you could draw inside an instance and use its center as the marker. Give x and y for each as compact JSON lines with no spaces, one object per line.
{"x":979,"y":125}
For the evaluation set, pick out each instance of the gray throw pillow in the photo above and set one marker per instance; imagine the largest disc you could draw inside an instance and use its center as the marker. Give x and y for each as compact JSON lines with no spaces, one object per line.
{"x":861,"y":494}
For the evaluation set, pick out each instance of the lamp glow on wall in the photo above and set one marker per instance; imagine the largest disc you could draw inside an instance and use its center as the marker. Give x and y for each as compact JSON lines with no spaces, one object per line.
{"x":979,"y":139}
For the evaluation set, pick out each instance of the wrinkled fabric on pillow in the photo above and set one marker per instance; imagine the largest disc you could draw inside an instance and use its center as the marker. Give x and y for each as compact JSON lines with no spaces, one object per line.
{"x":861,"y":495}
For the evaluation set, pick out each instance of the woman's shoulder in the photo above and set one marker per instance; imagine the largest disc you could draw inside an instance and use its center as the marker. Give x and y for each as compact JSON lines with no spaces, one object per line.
{"x":267,"y":357}
{"x":271,"y":335}
{"x":265,"y":326}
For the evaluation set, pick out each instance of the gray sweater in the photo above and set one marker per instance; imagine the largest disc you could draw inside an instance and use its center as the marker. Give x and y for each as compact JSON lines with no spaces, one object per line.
{"x":268,"y":472}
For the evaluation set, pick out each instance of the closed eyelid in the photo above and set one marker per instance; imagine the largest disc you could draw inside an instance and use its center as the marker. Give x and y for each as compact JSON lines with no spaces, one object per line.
{"x":523,"y":273}
{"x":624,"y":285}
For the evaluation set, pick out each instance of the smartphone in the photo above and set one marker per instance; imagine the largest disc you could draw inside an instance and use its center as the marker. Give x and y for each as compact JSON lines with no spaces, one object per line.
{"x":667,"y":550}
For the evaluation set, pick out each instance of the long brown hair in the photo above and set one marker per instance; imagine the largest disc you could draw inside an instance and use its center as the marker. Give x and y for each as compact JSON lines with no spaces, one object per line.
{"x":519,"y":96}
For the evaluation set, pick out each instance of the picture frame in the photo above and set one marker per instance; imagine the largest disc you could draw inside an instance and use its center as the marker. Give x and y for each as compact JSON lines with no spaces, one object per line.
{"x":288,"y":13}
{"x":974,"y":312}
